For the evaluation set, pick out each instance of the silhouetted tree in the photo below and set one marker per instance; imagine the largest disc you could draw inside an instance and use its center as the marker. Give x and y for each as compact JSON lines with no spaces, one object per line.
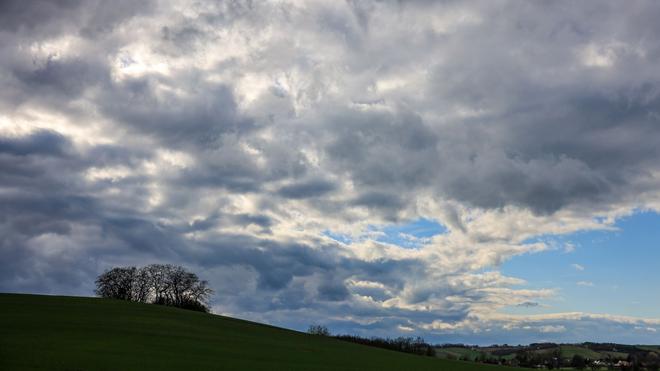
{"x":652,"y":361}
{"x":157,"y":280}
{"x":578,"y":362}
{"x":318,"y":330}
{"x":163,"y":284}
{"x":116,"y":283}
{"x":400,"y":344}
{"x":141,"y":286}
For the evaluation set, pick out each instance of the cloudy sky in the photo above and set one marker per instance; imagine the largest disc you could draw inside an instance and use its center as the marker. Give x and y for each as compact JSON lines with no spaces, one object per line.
{"x":480,"y":172}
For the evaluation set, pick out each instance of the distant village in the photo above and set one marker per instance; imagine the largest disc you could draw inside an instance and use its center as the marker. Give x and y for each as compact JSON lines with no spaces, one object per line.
{"x":593,"y":356}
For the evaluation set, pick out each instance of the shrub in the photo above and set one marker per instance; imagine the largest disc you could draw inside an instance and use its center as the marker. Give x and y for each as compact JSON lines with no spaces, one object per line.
{"x":318,"y":330}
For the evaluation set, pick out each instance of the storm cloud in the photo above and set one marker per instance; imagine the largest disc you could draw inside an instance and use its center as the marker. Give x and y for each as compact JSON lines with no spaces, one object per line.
{"x":236,"y":138}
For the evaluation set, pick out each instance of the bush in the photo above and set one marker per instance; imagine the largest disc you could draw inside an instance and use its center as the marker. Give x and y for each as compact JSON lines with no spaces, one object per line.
{"x":318,"y":330}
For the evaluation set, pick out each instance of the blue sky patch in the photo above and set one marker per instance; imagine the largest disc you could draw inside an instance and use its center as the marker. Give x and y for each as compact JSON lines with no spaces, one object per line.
{"x":613,"y":271}
{"x":410,"y":235}
{"x":343,"y":238}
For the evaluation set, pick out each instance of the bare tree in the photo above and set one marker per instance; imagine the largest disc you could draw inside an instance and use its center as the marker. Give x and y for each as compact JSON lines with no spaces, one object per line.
{"x":178,"y":281}
{"x":318,"y":330}
{"x":156,"y":283}
{"x":141,"y":286}
{"x":116,"y":283}
{"x":201,"y":292}
{"x":157,"y":278}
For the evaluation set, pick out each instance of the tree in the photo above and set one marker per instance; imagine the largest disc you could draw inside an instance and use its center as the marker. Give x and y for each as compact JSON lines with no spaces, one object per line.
{"x":163,"y":284}
{"x":318,"y":330}
{"x":200,"y":292}
{"x":177,"y":287}
{"x":578,"y":362}
{"x":652,"y":361}
{"x":141,"y":286}
{"x":116,"y":283}
{"x":157,"y":280}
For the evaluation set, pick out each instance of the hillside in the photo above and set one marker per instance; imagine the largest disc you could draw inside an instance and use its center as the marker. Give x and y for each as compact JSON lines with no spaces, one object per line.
{"x":73,"y":333}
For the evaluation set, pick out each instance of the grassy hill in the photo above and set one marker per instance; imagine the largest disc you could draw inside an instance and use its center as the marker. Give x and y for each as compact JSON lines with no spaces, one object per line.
{"x":568,"y":351}
{"x":72,"y":333}
{"x":457,"y":353}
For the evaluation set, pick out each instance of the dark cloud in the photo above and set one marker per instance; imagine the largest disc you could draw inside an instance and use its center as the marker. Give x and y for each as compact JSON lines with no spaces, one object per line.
{"x":18,"y":15}
{"x":240,"y":175}
{"x":382,"y":149}
{"x":308,"y":189}
{"x":49,"y":18}
{"x":61,"y":79}
{"x":42,"y":142}
{"x":379,"y":200}
{"x":198,"y":120}
{"x":528,"y":304}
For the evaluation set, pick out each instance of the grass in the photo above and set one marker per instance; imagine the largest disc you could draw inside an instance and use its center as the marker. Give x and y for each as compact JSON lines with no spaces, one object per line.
{"x":457,"y":352}
{"x":615,"y":355}
{"x":74,"y":333}
{"x":568,"y":351}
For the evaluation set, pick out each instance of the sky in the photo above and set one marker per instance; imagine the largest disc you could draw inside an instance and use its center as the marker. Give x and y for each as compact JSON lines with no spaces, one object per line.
{"x":466,"y":171}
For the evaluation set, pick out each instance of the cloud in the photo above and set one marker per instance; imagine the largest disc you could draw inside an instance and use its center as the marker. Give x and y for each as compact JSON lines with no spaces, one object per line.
{"x":552,"y":329}
{"x":39,"y":143}
{"x":649,"y":329}
{"x":577,"y":267}
{"x":585,"y":283}
{"x":308,"y":189}
{"x":569,"y":247}
{"x":213,"y":138}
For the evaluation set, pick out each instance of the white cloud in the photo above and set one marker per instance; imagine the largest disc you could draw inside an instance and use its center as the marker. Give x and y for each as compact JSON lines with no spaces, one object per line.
{"x":552,"y":329}
{"x":569,"y":247}
{"x":577,"y":267}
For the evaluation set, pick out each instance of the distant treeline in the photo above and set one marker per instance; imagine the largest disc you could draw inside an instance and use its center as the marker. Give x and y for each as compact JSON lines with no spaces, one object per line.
{"x":401,"y":344}
{"x":162,"y":284}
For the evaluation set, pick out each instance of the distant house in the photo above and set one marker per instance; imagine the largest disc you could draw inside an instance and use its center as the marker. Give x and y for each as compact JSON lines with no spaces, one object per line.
{"x":622,"y":364}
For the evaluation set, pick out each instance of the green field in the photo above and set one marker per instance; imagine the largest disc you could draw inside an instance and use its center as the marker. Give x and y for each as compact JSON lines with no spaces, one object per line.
{"x":457,"y":353}
{"x":568,"y":351}
{"x":651,"y":348}
{"x":615,"y":355}
{"x":72,"y":333}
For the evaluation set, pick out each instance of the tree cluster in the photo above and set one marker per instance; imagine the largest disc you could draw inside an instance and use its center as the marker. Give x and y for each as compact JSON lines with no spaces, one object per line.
{"x":638,"y":361}
{"x":162,"y":284}
{"x":401,"y":344}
